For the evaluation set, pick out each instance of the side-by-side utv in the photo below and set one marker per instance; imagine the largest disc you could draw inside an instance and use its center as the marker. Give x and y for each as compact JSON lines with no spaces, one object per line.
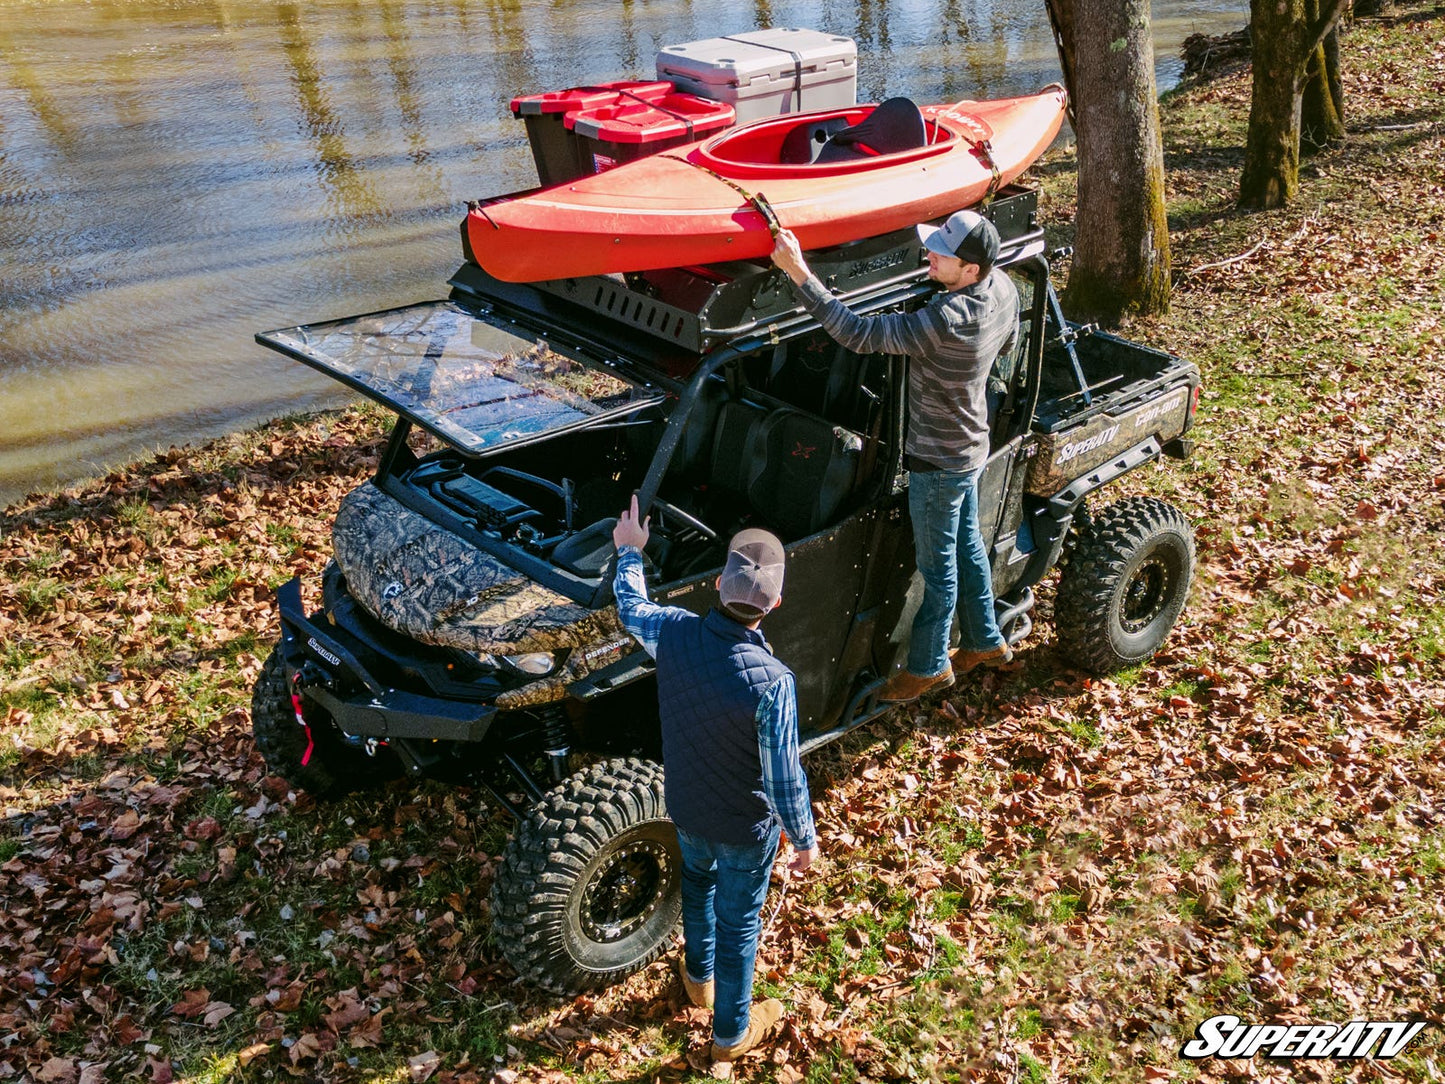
{"x":466,"y":629}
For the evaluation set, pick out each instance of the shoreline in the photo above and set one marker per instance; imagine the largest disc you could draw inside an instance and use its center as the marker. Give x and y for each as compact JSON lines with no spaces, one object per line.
{"x":37,"y":457}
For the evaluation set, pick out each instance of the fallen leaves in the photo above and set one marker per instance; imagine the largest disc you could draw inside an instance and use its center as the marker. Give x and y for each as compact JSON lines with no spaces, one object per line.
{"x":256,"y":1050}
{"x":1039,"y":874}
{"x":422,"y":1067}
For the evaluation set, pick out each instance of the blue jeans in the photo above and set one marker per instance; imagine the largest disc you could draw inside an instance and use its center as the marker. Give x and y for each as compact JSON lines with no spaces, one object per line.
{"x":944,"y":508}
{"x":723,"y":887}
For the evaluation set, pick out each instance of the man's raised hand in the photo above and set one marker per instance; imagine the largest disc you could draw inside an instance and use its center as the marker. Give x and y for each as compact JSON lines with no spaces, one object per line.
{"x":629,"y":532}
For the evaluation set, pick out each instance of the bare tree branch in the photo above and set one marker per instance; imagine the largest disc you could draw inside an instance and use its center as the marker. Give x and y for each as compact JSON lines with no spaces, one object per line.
{"x":1329,"y":16}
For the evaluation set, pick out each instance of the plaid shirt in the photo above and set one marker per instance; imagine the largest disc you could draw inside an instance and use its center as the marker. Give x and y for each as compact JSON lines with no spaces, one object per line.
{"x":784,"y":784}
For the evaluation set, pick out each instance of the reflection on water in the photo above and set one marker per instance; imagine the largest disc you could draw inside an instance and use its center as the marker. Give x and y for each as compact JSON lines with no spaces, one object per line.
{"x":176,"y":175}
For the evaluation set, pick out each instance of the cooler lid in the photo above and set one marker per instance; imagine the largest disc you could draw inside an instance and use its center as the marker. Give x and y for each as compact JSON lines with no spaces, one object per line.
{"x":478,"y":381}
{"x":768,"y":55}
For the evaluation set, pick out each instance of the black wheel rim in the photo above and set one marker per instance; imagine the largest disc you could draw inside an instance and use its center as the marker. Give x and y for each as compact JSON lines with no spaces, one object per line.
{"x":1145,"y":595}
{"x":625,"y":890}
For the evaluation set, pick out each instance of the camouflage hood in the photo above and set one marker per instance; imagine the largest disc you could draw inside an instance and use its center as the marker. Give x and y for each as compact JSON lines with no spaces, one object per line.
{"x":427,"y":583}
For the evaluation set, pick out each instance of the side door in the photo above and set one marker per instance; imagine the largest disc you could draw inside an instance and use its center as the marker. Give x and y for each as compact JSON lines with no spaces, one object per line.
{"x":824,"y":401}
{"x":815,"y":630}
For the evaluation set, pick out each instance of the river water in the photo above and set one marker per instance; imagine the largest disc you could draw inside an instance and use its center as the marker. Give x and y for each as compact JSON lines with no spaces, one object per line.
{"x":176,"y":175}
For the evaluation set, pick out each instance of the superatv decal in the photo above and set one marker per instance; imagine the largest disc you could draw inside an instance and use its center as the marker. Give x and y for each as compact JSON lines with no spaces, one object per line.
{"x":322,"y":652}
{"x":1098,"y":440}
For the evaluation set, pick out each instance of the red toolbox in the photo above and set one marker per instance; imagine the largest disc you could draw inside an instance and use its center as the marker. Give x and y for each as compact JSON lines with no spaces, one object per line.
{"x":631,"y":128}
{"x":559,"y":154}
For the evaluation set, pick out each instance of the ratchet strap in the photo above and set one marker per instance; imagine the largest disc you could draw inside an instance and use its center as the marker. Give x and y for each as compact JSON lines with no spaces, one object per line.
{"x":797,"y":65}
{"x":757,"y":200}
{"x":978,"y":135}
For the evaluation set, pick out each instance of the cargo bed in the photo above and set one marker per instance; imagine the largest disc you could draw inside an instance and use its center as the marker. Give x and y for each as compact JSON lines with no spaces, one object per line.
{"x":1130,"y":394}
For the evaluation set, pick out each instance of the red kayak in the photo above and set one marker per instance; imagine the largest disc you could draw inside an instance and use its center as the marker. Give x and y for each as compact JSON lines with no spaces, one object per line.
{"x":830,"y":177}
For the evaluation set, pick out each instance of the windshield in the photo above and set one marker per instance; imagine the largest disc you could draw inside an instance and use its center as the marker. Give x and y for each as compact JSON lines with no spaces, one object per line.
{"x":478,"y":383}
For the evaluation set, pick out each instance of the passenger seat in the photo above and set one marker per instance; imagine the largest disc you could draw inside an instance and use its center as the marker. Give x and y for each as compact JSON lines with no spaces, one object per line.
{"x":737,"y":445}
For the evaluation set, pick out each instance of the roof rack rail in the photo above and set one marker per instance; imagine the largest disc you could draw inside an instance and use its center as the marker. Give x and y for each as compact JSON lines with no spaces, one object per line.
{"x":697,"y":308}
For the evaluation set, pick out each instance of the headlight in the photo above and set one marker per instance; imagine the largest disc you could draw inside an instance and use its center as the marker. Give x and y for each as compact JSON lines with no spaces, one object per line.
{"x":533,"y":664}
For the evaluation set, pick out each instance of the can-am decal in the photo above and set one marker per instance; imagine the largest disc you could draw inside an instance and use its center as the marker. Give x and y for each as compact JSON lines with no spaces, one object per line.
{"x":1077,"y":448}
{"x":1160,"y":409}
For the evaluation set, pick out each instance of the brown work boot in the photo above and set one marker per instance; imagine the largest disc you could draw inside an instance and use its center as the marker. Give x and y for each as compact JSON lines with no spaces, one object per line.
{"x":963,"y":661}
{"x":699,"y":993}
{"x":762,"y":1018}
{"x":906,"y":685}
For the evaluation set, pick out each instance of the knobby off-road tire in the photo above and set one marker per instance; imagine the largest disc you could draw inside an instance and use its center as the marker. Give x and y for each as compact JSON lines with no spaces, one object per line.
{"x":588,"y":889}
{"x":1125,"y":584}
{"x":335,"y":768}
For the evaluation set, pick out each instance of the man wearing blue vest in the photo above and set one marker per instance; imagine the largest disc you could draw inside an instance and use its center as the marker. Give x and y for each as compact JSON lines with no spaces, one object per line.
{"x":952,"y":343}
{"x":733,"y":778}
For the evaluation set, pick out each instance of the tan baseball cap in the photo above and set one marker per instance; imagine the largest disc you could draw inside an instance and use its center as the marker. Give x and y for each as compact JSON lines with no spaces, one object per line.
{"x":752,"y":580}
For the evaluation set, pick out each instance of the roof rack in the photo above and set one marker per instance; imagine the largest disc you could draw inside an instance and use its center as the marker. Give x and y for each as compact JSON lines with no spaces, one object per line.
{"x":700,"y":307}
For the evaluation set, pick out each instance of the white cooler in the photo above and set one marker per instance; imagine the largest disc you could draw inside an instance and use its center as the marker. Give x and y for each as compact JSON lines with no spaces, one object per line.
{"x":763,"y":73}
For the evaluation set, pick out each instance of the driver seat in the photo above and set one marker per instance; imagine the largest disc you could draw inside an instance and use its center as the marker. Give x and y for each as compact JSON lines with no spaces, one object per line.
{"x":794,"y":470}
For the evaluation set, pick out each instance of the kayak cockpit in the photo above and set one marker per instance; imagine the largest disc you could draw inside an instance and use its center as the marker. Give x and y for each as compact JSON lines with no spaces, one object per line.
{"x":830,"y":142}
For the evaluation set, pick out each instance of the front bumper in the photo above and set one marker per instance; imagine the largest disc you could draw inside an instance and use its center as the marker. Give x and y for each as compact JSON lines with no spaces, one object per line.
{"x":346,"y":675}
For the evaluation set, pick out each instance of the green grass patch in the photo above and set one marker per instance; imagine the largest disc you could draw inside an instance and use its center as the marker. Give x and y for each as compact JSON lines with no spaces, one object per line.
{"x":38,"y":596}
{"x":831,"y":1068}
{"x":1031,"y":1070}
{"x":135,"y":513}
{"x":286,"y":537}
{"x":1084,"y":732}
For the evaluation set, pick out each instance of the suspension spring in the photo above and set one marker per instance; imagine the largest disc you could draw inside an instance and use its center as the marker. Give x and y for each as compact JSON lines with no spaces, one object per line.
{"x":556,"y":739}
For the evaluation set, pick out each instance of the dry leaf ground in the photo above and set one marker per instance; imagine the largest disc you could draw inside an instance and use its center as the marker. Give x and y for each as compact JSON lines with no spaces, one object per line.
{"x":1041,"y":877}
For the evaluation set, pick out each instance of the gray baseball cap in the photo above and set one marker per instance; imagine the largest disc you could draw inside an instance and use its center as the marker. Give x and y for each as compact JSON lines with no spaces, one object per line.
{"x":752,"y":580}
{"x":967,"y":235}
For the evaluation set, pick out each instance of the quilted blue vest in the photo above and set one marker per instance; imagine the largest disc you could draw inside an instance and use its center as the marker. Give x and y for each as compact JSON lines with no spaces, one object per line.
{"x":711,"y":674}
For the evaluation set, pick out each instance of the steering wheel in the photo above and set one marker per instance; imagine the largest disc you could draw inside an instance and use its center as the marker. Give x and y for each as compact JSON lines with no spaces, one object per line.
{"x":683,"y":517}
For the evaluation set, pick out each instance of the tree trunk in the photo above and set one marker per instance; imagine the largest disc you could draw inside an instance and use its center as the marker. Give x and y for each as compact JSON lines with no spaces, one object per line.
{"x":1284,"y":38}
{"x":1322,"y":114}
{"x":1271,"y":150}
{"x":1121,"y":246}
